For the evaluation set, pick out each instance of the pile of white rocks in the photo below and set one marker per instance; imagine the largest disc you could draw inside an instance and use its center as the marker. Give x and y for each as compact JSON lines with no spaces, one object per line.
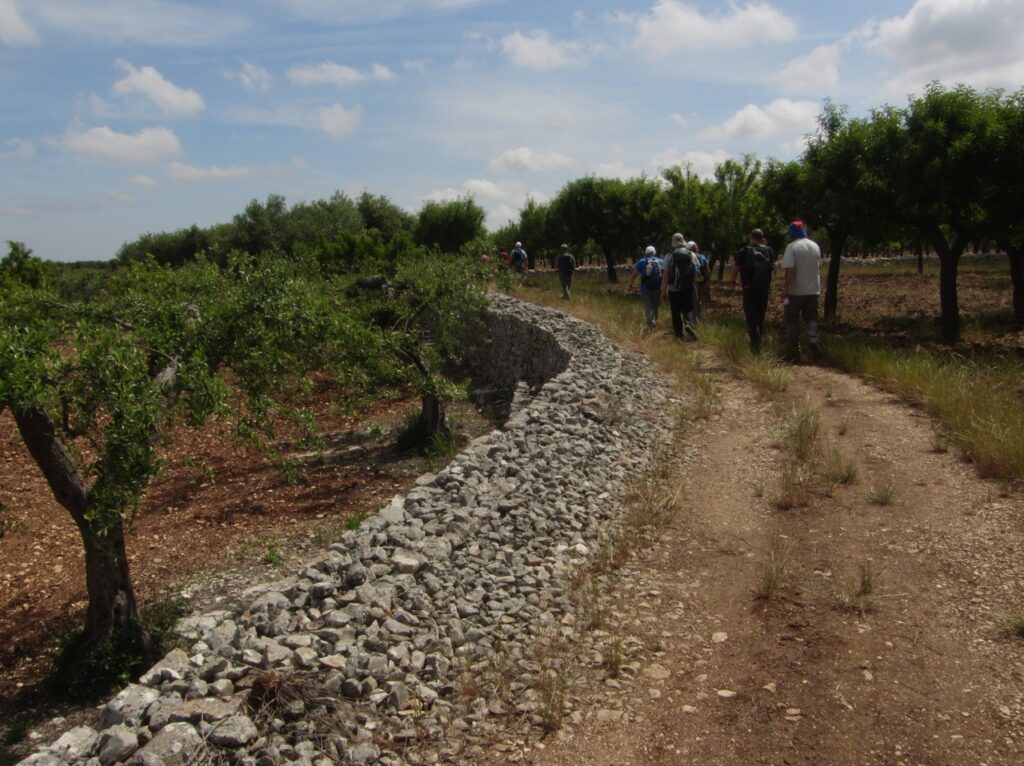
{"x":355,"y":658}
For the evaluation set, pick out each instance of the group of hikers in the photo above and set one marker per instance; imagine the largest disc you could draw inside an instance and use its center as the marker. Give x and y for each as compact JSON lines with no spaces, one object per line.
{"x":682,"y":278}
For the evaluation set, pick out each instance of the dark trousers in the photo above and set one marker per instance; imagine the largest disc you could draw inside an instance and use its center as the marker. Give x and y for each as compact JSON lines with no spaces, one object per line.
{"x":755,"y":305}
{"x":566,"y":280}
{"x":681,"y":305}
{"x":802,"y":310}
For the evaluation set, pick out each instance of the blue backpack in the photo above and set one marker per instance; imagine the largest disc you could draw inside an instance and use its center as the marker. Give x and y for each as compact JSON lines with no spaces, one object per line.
{"x":651,"y":273}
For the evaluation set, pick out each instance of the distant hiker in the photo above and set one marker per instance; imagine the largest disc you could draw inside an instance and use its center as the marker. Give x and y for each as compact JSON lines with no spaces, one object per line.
{"x":677,"y":286}
{"x":649,"y":270}
{"x":753,"y":264}
{"x":518,"y":258}
{"x":703,"y":285}
{"x":801,"y":265}
{"x":565,"y":262}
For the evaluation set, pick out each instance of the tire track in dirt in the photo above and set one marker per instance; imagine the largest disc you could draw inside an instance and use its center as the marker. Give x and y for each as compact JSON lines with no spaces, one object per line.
{"x":926,"y":674}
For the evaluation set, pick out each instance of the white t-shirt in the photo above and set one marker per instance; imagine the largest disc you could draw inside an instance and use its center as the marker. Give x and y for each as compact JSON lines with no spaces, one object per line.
{"x":804,"y":257}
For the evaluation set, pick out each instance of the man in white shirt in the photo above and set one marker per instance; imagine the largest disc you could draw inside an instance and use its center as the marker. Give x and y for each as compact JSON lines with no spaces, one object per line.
{"x":801,"y":264}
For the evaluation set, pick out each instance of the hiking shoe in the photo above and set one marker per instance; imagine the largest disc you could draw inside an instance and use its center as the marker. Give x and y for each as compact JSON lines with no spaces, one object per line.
{"x":690,"y":333}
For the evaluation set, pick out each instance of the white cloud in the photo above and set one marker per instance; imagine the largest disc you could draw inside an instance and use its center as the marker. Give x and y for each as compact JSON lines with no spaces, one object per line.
{"x":615,"y":169}
{"x":975,"y":42}
{"x":672,"y":26}
{"x":330,"y":73}
{"x":525,"y":160}
{"x":18,"y":149}
{"x":150,"y":84}
{"x":120,"y":198}
{"x":254,"y":77}
{"x":337,"y":121}
{"x":817,"y":72}
{"x":178,"y":171}
{"x":14,"y":30}
{"x":370,"y":10}
{"x":701,"y":163}
{"x":562,"y":120}
{"x":679,"y":120}
{"x":539,"y":51}
{"x":501,"y":200}
{"x":779,"y":117}
{"x":148,"y":145}
{"x":152,"y":22}
{"x":141,"y":180}
{"x":415,"y":65}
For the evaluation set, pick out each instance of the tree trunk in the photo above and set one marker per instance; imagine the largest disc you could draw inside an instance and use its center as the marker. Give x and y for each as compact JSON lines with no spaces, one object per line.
{"x":609,"y":259}
{"x":112,"y":606}
{"x":949,"y":304}
{"x":433,"y":416}
{"x":919,"y":251}
{"x":1016,"y":256}
{"x":832,"y":280}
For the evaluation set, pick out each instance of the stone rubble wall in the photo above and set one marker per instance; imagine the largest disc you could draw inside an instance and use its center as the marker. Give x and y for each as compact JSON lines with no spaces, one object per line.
{"x":471,"y":558}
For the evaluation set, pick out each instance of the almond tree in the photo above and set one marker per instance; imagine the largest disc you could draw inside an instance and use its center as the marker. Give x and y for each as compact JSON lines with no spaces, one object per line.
{"x":93,"y":386}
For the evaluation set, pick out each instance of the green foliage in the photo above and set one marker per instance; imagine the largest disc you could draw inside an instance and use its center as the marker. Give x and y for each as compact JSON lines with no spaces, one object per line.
{"x":272,"y":556}
{"x":21,"y":267}
{"x":380,"y":213}
{"x":355,"y":520}
{"x":448,"y":226}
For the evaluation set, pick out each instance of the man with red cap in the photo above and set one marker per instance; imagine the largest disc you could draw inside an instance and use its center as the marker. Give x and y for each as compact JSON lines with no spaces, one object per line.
{"x":801,"y":265}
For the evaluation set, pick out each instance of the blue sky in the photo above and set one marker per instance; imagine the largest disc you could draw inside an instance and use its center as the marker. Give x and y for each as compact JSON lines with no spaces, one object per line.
{"x":119,"y":117}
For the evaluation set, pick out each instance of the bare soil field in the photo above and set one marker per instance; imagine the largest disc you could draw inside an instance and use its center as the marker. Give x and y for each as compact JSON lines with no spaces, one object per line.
{"x":217,"y":513}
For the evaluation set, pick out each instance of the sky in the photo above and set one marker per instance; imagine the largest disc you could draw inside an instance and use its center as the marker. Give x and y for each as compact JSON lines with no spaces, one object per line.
{"x":120,"y":117}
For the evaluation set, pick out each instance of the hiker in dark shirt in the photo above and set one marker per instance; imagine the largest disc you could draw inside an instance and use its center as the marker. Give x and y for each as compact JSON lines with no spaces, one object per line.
{"x":754,"y":264}
{"x":565,"y":262}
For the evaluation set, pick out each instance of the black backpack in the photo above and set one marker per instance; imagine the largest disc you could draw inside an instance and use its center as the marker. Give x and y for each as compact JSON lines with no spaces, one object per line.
{"x":682,"y":272}
{"x":760,"y":264}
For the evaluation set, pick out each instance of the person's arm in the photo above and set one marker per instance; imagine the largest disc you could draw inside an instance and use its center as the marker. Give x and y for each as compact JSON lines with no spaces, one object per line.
{"x":734,"y":271}
{"x":787,"y":280}
{"x":664,"y":281}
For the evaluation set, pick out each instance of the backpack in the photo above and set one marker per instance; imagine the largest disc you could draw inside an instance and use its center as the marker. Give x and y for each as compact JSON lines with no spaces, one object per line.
{"x":703,"y":269}
{"x":652,"y":271}
{"x":682,"y":273}
{"x":518,"y":256}
{"x":759,"y":267}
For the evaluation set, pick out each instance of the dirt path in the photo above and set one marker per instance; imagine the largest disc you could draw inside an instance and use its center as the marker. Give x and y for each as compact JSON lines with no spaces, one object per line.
{"x":925,"y":673}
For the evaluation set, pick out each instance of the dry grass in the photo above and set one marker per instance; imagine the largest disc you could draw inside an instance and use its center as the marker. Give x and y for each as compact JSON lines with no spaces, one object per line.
{"x":793,"y":489}
{"x":774,"y":573}
{"x":839,"y":469}
{"x":858,"y":595}
{"x":882,"y":493}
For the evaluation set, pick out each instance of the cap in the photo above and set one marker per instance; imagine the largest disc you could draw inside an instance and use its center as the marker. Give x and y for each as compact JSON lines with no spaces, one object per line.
{"x":691,"y":245}
{"x":519,"y":244}
{"x":565,"y":247}
{"x":650,"y":250}
{"x":797,"y":230}
{"x":678,"y":240}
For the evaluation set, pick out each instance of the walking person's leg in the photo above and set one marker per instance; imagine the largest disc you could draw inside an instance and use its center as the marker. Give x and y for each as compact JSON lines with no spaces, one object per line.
{"x":791,"y":315}
{"x":809,"y":316}
{"x":649,"y":298}
{"x":675,"y":303}
{"x":687,"y":299}
{"x":750,"y":306}
{"x":760,"y":309}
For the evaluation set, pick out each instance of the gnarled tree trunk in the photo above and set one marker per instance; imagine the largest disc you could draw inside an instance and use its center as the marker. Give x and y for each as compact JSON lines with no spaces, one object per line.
{"x":949,"y":304}
{"x":112,"y":607}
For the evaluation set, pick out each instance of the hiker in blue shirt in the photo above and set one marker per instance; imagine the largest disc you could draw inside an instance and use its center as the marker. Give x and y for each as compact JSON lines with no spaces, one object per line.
{"x":518,"y":259}
{"x":703,"y":282}
{"x":648,"y":269}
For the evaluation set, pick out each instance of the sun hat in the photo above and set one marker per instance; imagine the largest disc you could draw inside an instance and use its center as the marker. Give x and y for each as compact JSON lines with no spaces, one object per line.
{"x":650,"y":250}
{"x":678,"y":240}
